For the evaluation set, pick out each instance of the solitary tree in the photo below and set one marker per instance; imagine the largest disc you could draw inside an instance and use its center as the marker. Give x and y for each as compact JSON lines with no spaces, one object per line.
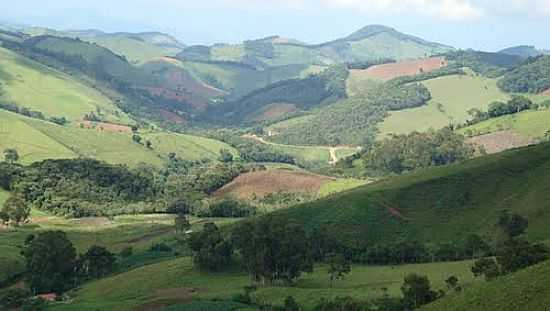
{"x":15,"y":209}
{"x":512,"y":225}
{"x":97,"y":262}
{"x":181,"y":223}
{"x":417,"y":291}
{"x":11,"y":155}
{"x":339,"y":266}
{"x":136,"y":138}
{"x":226,"y":156}
{"x":51,"y":262}
{"x":486,"y":267}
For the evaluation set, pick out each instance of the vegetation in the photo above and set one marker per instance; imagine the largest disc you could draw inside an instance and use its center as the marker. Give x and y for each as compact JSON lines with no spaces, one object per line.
{"x":491,"y":65}
{"x":531,"y":77}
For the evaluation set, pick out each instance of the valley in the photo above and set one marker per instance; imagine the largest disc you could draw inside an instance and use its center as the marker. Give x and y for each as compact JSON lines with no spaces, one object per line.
{"x":375,"y":171}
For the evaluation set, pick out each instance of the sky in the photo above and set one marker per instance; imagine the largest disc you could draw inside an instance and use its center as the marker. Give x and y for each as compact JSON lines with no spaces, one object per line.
{"x":479,"y":24}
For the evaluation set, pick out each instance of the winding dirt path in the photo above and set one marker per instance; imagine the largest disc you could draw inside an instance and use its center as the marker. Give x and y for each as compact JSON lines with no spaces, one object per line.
{"x":332,"y":150}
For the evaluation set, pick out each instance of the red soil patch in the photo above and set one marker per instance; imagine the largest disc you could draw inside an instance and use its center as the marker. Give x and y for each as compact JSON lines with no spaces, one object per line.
{"x":107,"y":127}
{"x":170,"y":60}
{"x":546,"y":93}
{"x":262,"y":183}
{"x":172,"y":117}
{"x":405,"y":68}
{"x":500,"y":141}
{"x":274,"y":111}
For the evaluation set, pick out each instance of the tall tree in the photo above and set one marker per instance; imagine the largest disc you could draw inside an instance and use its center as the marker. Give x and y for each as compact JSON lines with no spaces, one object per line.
{"x":97,"y":262}
{"x":339,"y":266}
{"x":210,"y":251}
{"x":16,"y":210}
{"x":417,"y":291}
{"x":51,"y":262}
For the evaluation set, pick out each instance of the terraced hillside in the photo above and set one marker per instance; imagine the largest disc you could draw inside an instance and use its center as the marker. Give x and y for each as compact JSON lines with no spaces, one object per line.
{"x":37,"y":140}
{"x":437,"y":205}
{"x":40,"y":88}
{"x":527,"y":289}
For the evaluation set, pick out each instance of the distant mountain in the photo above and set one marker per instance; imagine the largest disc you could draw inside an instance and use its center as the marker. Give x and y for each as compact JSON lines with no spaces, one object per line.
{"x":369,"y":43}
{"x":138,"y":48}
{"x":523,"y":51}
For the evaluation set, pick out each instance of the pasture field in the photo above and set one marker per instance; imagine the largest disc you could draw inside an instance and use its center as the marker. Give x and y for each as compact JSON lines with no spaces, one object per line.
{"x":136,"y":231}
{"x":530,"y":124}
{"x":176,"y":281}
{"x":360,"y":83}
{"x":452,"y":97}
{"x":37,"y":87}
{"x":340,"y":185}
{"x":136,"y":51}
{"x":527,"y":289}
{"x":188,"y":147}
{"x":37,"y":140}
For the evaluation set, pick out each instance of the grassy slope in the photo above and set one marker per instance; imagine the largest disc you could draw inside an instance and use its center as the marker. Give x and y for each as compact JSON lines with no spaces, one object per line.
{"x":136,"y":51}
{"x":528,"y":289}
{"x":441,"y":204}
{"x":533,"y":124}
{"x":32,"y":85}
{"x":456,"y":95}
{"x":129,"y":290}
{"x":37,"y":140}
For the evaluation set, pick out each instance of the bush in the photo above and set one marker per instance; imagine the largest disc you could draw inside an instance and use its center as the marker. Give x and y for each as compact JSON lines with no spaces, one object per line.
{"x":14,"y":298}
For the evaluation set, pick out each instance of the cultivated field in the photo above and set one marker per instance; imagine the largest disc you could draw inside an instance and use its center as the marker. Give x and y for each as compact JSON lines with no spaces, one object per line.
{"x":153,"y":287}
{"x":405,"y":68}
{"x":452,"y":97}
{"x":500,"y":141}
{"x":546,"y":93}
{"x":37,"y":87}
{"x":261,"y":183}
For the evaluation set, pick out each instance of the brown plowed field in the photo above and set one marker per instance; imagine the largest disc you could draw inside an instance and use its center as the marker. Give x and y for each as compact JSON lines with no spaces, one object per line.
{"x":262,"y":183}
{"x":547,"y":92}
{"x":405,"y":68}
{"x":500,"y":141}
{"x":273,"y":111}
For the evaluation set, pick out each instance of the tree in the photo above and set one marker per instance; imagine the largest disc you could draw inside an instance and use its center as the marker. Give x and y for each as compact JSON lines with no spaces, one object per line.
{"x":148,"y":144}
{"x":417,"y":291}
{"x":136,"y":138}
{"x":272,"y":249}
{"x":11,"y":156}
{"x":210,"y":251}
{"x":225,"y":156}
{"x":97,"y":262}
{"x":15,"y":209}
{"x":181,"y":223}
{"x":339,"y":266}
{"x":452,"y":283}
{"x":517,"y":254}
{"x":474,"y":246}
{"x":512,"y":225}
{"x":51,"y":262}
{"x":291,"y":304}
{"x":487,"y":267}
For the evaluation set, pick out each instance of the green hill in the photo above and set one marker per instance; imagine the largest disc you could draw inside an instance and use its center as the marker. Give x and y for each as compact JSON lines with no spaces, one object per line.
{"x":452,"y":97}
{"x":527,"y":289}
{"x":37,"y":140}
{"x":40,"y":88}
{"x":441,"y":204}
{"x":533,"y":76}
{"x":523,"y":51}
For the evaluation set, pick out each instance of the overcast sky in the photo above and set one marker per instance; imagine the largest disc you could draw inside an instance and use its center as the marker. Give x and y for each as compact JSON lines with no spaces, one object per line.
{"x":479,"y":24}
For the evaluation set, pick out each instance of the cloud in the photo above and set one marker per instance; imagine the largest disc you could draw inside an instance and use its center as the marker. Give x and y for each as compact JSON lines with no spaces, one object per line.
{"x":444,"y":9}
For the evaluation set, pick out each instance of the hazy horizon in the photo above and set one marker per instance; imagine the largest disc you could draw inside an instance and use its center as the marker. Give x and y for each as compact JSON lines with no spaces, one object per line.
{"x":452,"y":22}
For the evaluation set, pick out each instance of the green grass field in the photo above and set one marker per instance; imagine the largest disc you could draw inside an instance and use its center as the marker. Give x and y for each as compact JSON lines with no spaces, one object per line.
{"x":37,"y":140}
{"x":136,"y":51}
{"x":527,"y":289}
{"x":37,"y":87}
{"x":161,"y":282}
{"x":3,"y":196}
{"x":533,"y":124}
{"x":452,"y":97}
{"x":340,"y":185}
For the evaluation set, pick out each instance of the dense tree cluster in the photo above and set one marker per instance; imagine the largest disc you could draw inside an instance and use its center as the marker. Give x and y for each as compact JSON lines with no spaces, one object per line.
{"x":485,"y":63}
{"x":252,"y":151}
{"x":31,"y":113}
{"x":496,"y":109}
{"x":533,"y":76}
{"x":272,"y":250}
{"x":86,"y":187}
{"x":403,"y":153}
{"x":210,"y":250}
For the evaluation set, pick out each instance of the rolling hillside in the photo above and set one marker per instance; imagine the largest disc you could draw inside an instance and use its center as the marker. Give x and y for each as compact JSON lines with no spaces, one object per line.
{"x":527,"y":289}
{"x":37,"y":140}
{"x":441,"y":204}
{"x":40,"y":88}
{"x":452,"y":97}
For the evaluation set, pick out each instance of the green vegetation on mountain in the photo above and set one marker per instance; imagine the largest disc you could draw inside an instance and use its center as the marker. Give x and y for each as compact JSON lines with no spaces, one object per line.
{"x":34,"y":86}
{"x":491,"y":65}
{"x":524,"y":51}
{"x":533,"y":76}
{"x":437,"y":205}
